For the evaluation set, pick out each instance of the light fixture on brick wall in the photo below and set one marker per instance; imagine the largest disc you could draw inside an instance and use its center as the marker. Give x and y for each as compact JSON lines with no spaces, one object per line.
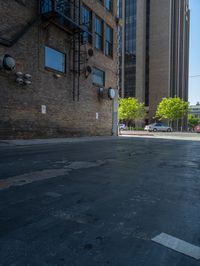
{"x":23,"y":79}
{"x":19,"y":74}
{"x":27,"y":76}
{"x":57,"y":76}
{"x":27,"y":82}
{"x":20,"y":81}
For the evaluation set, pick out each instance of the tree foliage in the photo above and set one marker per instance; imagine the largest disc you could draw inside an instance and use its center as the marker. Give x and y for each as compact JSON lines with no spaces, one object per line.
{"x":130,"y":109}
{"x":192,"y":121}
{"x":172,"y":109}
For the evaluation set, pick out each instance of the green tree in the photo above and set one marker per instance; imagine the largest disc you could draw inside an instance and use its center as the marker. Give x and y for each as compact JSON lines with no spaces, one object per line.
{"x":192,"y":121}
{"x":131,"y":110}
{"x":172,"y":109}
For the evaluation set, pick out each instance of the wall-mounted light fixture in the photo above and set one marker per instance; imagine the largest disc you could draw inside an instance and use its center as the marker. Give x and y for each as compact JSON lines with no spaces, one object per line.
{"x":57,"y":76}
{"x":20,"y":81}
{"x":27,"y":76}
{"x":27,"y":82}
{"x":19,"y":74}
{"x":23,"y":79}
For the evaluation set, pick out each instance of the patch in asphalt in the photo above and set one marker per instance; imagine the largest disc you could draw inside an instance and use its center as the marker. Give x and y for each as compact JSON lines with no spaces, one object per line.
{"x":84,"y":165}
{"x":28,"y":178}
{"x":178,"y":245}
{"x":81,"y":218}
{"x":53,"y":194}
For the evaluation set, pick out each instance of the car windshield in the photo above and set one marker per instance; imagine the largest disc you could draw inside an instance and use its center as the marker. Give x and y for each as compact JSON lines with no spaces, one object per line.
{"x":159,"y":125}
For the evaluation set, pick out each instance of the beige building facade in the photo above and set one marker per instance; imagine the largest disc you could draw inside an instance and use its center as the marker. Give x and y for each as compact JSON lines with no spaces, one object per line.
{"x":58,"y":68}
{"x":161,"y":51}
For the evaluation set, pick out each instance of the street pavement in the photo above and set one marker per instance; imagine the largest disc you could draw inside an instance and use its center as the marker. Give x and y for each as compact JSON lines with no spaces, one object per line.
{"x":99,"y":201}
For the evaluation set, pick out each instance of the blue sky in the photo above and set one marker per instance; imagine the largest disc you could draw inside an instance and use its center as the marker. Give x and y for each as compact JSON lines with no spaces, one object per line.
{"x":194,"y":83}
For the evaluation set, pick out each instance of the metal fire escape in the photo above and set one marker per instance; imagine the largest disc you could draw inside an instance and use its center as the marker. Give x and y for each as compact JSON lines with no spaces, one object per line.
{"x":67,"y":15}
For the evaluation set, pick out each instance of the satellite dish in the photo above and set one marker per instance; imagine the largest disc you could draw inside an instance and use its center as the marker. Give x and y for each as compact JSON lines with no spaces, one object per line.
{"x":111,"y":93}
{"x":90,"y":52}
{"x":89,"y":69}
{"x":7,"y":62}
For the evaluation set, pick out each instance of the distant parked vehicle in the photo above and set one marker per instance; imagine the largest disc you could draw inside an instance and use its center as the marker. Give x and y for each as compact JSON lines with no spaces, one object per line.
{"x":157,"y":127}
{"x":122,"y":127}
{"x":197,"y":129}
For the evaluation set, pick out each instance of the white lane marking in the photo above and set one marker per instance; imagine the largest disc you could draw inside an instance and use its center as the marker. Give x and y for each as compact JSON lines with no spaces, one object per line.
{"x":178,"y":245}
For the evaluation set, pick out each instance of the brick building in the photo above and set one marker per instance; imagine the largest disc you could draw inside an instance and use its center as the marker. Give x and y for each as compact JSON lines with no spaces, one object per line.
{"x":66,"y":64}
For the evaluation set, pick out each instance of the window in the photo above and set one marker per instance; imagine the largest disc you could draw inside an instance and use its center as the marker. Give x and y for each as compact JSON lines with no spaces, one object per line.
{"x":98,"y":33}
{"x":64,"y":7}
{"x":98,"y":77}
{"x":109,"y":41}
{"x":87,"y":24}
{"x":109,"y":5}
{"x":54,"y":59}
{"x":46,"y":6}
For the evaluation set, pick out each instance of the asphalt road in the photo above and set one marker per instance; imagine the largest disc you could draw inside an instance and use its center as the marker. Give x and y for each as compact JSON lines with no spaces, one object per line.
{"x":98,"y":202}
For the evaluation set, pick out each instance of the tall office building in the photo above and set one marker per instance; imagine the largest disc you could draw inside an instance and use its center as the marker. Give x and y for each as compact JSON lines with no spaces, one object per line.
{"x":154,"y":50}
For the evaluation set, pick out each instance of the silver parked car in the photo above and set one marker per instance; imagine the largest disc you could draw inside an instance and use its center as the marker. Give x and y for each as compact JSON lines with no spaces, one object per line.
{"x":158,"y":127}
{"x":122,"y":127}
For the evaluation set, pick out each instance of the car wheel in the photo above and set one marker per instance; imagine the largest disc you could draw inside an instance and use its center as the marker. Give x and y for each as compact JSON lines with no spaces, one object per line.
{"x":169,"y":130}
{"x":155,"y":130}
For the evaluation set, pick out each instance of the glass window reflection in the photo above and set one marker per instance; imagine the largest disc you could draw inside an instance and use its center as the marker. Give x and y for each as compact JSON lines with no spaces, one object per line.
{"x":54,"y":59}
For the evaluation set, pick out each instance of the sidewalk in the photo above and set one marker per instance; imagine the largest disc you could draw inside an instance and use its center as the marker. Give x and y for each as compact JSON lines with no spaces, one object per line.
{"x":27,"y":142}
{"x":122,"y":135}
{"x":162,"y":135}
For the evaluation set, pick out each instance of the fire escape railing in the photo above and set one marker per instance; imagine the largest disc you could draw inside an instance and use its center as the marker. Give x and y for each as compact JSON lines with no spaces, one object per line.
{"x":67,"y":14}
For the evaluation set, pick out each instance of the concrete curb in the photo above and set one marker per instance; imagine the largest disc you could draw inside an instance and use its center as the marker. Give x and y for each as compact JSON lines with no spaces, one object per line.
{"x":22,"y":142}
